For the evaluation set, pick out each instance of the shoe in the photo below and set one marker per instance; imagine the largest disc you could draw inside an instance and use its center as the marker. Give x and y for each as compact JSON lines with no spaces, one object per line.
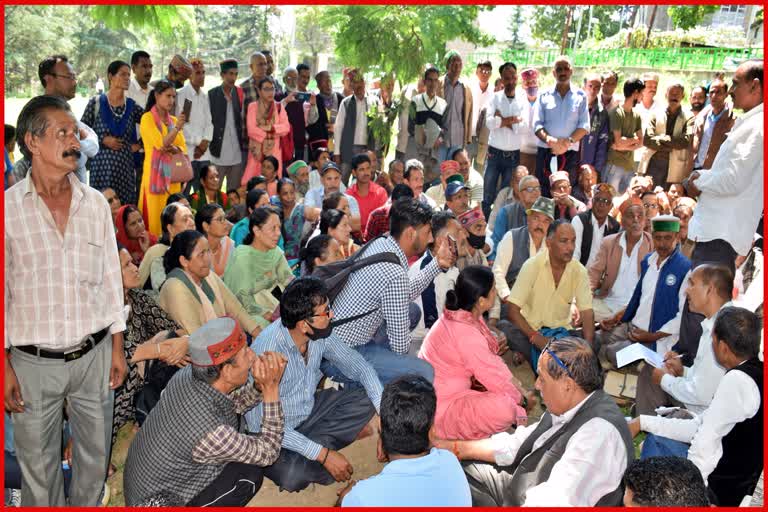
{"x":13,"y":498}
{"x":105,"y":495}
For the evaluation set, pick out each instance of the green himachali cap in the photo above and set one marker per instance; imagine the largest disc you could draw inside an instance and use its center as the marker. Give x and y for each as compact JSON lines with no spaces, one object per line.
{"x":668,"y":223}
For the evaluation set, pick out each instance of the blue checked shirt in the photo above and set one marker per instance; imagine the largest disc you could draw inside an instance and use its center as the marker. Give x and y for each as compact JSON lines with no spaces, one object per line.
{"x":559,"y":115}
{"x":386,"y":289}
{"x":299,"y":382}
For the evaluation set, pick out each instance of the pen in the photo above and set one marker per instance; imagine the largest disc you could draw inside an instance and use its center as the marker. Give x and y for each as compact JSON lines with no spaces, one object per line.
{"x":678,"y":356}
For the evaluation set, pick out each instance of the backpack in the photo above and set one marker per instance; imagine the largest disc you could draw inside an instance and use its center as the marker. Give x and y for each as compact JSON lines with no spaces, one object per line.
{"x":335,"y":275}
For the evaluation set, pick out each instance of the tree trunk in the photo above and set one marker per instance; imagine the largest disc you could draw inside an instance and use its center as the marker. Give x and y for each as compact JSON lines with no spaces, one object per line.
{"x":650,"y":26}
{"x":632,"y":24}
{"x":566,"y":28}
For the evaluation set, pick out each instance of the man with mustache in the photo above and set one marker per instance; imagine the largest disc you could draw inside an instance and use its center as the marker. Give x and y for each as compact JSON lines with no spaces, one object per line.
{"x":667,"y":141}
{"x":539,"y":305}
{"x":698,"y":100}
{"x":59,"y":79}
{"x":64,"y":314}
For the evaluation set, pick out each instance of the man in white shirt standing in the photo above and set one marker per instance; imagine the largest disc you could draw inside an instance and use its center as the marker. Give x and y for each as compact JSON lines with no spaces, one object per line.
{"x":504,"y":118}
{"x":575,"y":456}
{"x":141,"y":67}
{"x":482,"y":92}
{"x":647,"y":106}
{"x":726,"y":440}
{"x":730,"y":194}
{"x":709,"y":291}
{"x":198,"y":130}
{"x":528,"y":145}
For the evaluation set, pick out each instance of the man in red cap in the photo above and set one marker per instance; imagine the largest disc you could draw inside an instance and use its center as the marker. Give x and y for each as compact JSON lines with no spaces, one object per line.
{"x":192,"y":445}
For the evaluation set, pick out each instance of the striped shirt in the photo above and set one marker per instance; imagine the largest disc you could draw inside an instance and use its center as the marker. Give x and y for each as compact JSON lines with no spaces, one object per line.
{"x":300,"y":379}
{"x":59,"y":289}
{"x":385,"y":289}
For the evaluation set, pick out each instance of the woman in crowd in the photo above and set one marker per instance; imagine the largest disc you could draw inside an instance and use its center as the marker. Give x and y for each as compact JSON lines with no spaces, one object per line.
{"x":192,"y":295}
{"x":149,"y":335}
{"x":586,"y":180}
{"x":178,"y":197}
{"x":211,"y":221}
{"x":210,"y":189}
{"x":336,"y":224}
{"x":292,"y":217}
{"x":477,"y":395}
{"x":255,"y":198}
{"x":269,"y":170}
{"x":258,"y":271}
{"x":266,"y":122}
{"x":174,"y":219}
{"x":160,"y":131}
{"x":114,"y":117}
{"x":321,"y":250}
{"x":132,"y":234}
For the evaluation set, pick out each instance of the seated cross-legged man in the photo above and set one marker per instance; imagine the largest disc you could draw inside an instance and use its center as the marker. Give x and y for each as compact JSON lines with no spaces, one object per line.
{"x":539,"y":305}
{"x":616,"y":269}
{"x":575,"y":456}
{"x":317,"y":423}
{"x":652,"y":314}
{"x":375,"y":306}
{"x":191,"y":444}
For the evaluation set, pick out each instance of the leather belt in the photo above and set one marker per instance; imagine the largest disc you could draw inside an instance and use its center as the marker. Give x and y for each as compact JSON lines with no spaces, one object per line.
{"x":89,"y":343}
{"x":504,"y":154}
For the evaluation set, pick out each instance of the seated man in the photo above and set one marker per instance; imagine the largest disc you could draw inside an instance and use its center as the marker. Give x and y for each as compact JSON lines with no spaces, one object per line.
{"x":539,"y":306}
{"x":574,"y":456}
{"x":651,"y":316}
{"x":478,"y":245}
{"x":437,"y":192}
{"x":726,"y":441}
{"x":191,"y":444}
{"x":664,"y":482}
{"x":330,"y":176}
{"x":456,"y":195}
{"x":378,"y":220}
{"x":508,"y":194}
{"x":374,"y":304}
{"x":514,"y":215}
{"x":616,"y":269}
{"x":566,"y":206}
{"x":317,"y":423}
{"x":709,"y":291}
{"x":415,"y":475}
{"x":594,"y":224}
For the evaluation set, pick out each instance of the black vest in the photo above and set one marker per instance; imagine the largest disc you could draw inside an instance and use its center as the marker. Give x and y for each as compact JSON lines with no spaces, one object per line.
{"x":740,"y":466}
{"x":586,"y":234}
{"x":319,"y":129}
{"x":531,"y":468}
{"x":521,"y":253}
{"x":219,"y":117}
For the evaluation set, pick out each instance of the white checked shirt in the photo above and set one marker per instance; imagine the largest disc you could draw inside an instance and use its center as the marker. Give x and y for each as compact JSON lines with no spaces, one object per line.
{"x":59,"y":289}
{"x":385,"y":289}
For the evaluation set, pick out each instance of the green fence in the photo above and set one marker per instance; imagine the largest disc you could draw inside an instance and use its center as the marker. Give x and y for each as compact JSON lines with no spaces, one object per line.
{"x":714,"y":59}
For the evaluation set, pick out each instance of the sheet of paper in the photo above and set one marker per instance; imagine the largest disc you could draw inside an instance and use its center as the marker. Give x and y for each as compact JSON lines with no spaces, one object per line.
{"x":635,"y":352}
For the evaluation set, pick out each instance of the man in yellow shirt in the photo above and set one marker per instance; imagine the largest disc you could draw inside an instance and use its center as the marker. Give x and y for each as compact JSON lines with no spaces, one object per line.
{"x":540,"y":301}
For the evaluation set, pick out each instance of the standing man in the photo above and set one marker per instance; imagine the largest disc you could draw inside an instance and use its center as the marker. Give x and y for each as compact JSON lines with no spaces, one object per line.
{"x":351,"y":132}
{"x":428,"y":111}
{"x":594,"y":146}
{"x":609,"y":101}
{"x":698,"y":100}
{"x":198,"y":130}
{"x":667,"y":140}
{"x":279,"y":90}
{"x":179,"y":70}
{"x":139,"y":89}
{"x":625,"y":137}
{"x":730,"y":194}
{"x":504,"y":119}
{"x":227,"y":116}
{"x":59,"y":79}
{"x":250,"y":86}
{"x":560,"y":121}
{"x":482,"y":93}
{"x":327,"y":106}
{"x":529,"y":143}
{"x":457,"y":130}
{"x":710,"y":128}
{"x":63,"y":312}
{"x":648,"y":104}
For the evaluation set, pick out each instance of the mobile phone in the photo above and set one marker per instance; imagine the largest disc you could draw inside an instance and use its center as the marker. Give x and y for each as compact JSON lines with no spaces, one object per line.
{"x":187,"y":108}
{"x":302,"y":96}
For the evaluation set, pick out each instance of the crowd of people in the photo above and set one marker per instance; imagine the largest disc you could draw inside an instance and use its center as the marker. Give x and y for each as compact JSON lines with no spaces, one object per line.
{"x":234,"y":274}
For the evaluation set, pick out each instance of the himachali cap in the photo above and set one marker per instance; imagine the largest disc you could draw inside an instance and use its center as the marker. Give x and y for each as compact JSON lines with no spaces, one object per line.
{"x":529,"y":73}
{"x":559,"y":176}
{"x":295,"y":166}
{"x":668,"y":223}
{"x":632,"y":201}
{"x":227,"y":64}
{"x":216,"y":341}
{"x":604,"y":187}
{"x":471,"y":217}
{"x":543,"y":205}
{"x":197,"y":64}
{"x":449,"y":167}
{"x":329,"y":166}
{"x":180,"y":64}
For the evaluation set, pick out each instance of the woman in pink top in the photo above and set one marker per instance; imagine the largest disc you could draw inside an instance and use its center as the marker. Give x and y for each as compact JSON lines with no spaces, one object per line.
{"x":266,"y":122}
{"x":477,"y":396}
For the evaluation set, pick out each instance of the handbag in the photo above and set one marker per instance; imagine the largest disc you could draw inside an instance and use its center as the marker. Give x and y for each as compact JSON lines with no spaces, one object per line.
{"x":181,"y":168}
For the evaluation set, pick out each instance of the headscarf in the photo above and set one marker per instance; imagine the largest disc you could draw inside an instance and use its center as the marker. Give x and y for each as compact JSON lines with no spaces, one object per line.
{"x":133,"y":246}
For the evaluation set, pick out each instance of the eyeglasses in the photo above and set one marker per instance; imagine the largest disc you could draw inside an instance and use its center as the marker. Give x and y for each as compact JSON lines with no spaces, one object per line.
{"x":326,"y":311}
{"x":557,"y":360}
{"x":650,"y":206}
{"x":219,"y":219}
{"x":602,"y":200}
{"x":531,"y":189}
{"x":69,"y":77}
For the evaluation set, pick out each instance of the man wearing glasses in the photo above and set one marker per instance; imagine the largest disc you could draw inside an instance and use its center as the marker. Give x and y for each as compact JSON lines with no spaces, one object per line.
{"x":59,"y":79}
{"x":575,"y":456}
{"x":515,"y":214}
{"x":317,"y":423}
{"x":591,"y":226}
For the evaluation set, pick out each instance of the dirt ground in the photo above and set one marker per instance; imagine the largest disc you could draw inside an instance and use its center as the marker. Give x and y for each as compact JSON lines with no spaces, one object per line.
{"x":361,"y":454}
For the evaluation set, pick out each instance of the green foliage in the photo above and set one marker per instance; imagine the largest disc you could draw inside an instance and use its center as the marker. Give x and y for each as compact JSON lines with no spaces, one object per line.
{"x":515,"y":21}
{"x":234,"y":31}
{"x":730,"y":37}
{"x":688,"y":16}
{"x":167,"y":22}
{"x":400,"y":38}
{"x":311,"y":36}
{"x":549,"y":20}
